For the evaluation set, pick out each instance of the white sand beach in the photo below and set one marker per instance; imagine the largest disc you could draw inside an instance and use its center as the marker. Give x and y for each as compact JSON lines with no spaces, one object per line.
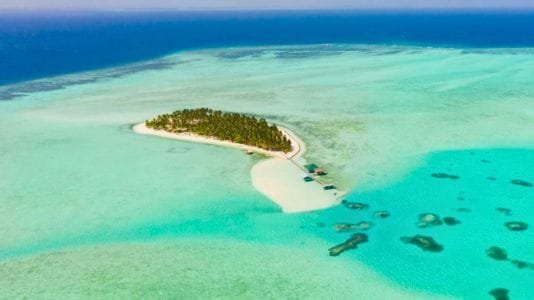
{"x":281,"y":181}
{"x":280,"y":177}
{"x":191,"y":137}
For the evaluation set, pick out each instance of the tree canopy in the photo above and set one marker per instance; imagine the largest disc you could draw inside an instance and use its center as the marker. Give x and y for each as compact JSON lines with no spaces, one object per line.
{"x":228,"y":126}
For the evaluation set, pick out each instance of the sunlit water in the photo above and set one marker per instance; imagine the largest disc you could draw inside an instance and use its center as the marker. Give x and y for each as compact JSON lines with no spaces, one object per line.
{"x":462,"y":268}
{"x":75,"y":178}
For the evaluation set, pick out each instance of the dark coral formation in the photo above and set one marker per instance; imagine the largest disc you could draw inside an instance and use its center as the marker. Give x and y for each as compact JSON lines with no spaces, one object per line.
{"x":355,"y":205}
{"x":522,"y":264}
{"x":499,"y":294}
{"x":521,"y":183}
{"x":364,"y":225}
{"x":426,"y":243}
{"x":500,"y":254}
{"x":381,"y":214}
{"x":429,"y":219}
{"x":504,"y":211}
{"x":497,"y":253}
{"x":451,"y":221}
{"x":351,"y":243}
{"x":516,"y":226}
{"x":343,"y":227}
{"x":444,"y":176}
{"x":491,"y":178}
{"x":463,"y":209}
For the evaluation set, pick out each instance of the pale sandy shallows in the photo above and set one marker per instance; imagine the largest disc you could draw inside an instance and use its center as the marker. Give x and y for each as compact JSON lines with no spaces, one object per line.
{"x":193,"y":269}
{"x":280,"y":177}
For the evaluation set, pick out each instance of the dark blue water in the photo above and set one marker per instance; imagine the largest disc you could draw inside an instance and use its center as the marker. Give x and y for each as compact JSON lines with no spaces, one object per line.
{"x":34,"y":45}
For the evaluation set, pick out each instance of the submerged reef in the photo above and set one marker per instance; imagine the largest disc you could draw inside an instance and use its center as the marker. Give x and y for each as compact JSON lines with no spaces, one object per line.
{"x":516,"y":226}
{"x":451,"y":221}
{"x":497,"y":253}
{"x":355,"y":205}
{"x":351,"y":243}
{"x":444,"y":176}
{"x":504,"y":211}
{"x":343,"y":227}
{"x":381,"y":214}
{"x":364,"y":225}
{"x":499,"y":294}
{"x":522,"y":264}
{"x":429,"y":219}
{"x":521,"y":183}
{"x":426,"y":243}
{"x":463,"y":209}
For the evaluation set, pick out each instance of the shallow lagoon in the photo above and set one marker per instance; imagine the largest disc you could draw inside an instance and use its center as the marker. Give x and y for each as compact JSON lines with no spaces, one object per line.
{"x":73,"y":173}
{"x":462,"y":268}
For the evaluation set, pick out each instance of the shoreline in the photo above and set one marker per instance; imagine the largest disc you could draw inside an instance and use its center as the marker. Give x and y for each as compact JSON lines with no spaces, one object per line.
{"x":195,"y":138}
{"x":279,"y":177}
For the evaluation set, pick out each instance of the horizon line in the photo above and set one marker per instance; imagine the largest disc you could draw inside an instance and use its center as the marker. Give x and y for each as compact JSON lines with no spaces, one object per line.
{"x":280,"y":9}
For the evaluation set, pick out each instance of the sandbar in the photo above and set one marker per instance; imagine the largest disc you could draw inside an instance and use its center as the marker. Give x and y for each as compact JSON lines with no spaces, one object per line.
{"x":280,"y":177}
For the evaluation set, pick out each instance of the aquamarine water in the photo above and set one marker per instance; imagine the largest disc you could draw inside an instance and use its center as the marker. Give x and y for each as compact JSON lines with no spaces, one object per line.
{"x":87,"y":206}
{"x":462,"y":268}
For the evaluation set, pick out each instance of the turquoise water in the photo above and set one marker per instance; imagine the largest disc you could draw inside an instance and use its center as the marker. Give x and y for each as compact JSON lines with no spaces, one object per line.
{"x":87,"y":206}
{"x":462,"y":268}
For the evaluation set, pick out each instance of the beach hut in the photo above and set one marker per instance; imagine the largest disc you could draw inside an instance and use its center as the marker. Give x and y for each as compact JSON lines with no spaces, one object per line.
{"x":311,"y":168}
{"x":314,"y":169}
{"x":320,"y":172}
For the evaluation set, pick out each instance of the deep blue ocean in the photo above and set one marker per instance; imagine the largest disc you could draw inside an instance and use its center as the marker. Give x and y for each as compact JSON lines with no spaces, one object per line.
{"x":40,"y":44}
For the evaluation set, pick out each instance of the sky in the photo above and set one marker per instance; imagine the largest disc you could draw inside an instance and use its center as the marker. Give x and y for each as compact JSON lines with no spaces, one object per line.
{"x":259,"y":4}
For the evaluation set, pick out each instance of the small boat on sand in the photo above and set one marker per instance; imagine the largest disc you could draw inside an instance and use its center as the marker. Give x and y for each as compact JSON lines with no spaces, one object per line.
{"x":329,"y":187}
{"x":307,"y":178}
{"x":314,"y":169}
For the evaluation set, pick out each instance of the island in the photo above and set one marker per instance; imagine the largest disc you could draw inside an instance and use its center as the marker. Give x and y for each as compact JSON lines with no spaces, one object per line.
{"x":282,"y":177}
{"x":225,"y":126}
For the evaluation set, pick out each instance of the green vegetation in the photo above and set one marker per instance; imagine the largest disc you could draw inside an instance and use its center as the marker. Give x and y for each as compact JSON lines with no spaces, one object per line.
{"x":234,"y":127}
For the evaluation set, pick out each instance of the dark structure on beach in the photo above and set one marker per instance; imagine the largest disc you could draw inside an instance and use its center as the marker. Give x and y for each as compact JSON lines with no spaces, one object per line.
{"x":314,"y":169}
